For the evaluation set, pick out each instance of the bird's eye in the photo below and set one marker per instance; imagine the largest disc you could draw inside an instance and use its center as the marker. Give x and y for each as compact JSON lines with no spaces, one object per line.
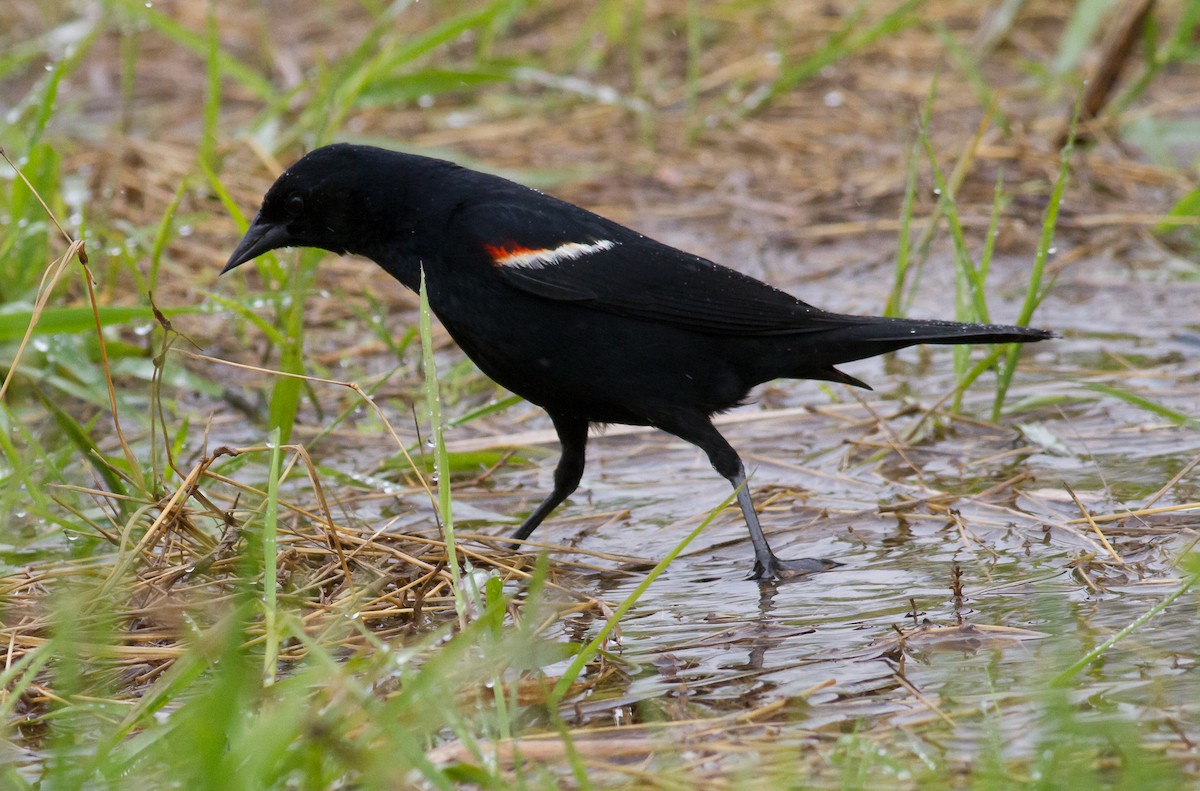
{"x":295,"y":206}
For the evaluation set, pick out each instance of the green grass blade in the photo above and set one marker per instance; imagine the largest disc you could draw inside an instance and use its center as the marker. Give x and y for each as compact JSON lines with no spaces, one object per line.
{"x":271,"y":332}
{"x":25,"y":245}
{"x":845,"y":41}
{"x":212,"y":96}
{"x":1082,"y":28}
{"x":82,"y":440}
{"x":1067,"y":675}
{"x":62,"y":69}
{"x":972,"y":293}
{"x":1186,"y":206}
{"x":966,"y":378}
{"x":70,"y":321}
{"x":401,"y":88}
{"x":18,"y":676}
{"x":270,"y":550}
{"x":894,"y":305}
{"x":198,"y":43}
{"x":31,"y":468}
{"x":1035,"y":292}
{"x":377,"y":60}
{"x":162,"y":237}
{"x":287,"y":390}
{"x":1141,"y":402}
{"x":433,"y":406}
{"x":490,"y":408}
{"x":968,"y":63}
{"x":443,"y":33}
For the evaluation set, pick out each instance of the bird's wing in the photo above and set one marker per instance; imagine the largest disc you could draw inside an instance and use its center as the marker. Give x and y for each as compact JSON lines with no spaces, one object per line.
{"x":568,"y":254}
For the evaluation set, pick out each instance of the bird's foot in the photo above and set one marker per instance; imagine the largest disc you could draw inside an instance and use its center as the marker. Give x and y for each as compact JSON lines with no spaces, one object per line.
{"x":772,"y":567}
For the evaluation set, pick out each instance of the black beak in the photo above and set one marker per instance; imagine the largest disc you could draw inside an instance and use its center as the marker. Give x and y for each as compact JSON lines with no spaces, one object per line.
{"x":260,"y":238}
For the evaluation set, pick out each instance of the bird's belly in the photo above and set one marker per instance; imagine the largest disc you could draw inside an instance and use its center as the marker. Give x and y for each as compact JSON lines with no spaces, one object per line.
{"x":604,"y":368}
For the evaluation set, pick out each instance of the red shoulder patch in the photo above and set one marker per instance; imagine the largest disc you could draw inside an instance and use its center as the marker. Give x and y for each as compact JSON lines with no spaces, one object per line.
{"x":505,"y":252}
{"x":511,"y":254}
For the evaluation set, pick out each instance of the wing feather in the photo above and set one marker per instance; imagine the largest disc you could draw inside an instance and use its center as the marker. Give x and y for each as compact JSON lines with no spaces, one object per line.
{"x":634,"y":276}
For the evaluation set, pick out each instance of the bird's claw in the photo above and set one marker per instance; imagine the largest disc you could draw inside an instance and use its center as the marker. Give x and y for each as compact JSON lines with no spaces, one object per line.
{"x":776,"y":569}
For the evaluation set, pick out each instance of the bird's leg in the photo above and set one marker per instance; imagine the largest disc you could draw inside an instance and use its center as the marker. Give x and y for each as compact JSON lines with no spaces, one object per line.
{"x":572,"y":435}
{"x":766,"y":564}
{"x":724,"y":459}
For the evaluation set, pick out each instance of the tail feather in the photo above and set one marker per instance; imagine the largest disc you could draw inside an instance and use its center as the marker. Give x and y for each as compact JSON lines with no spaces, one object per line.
{"x":867,"y":336}
{"x":832,"y":374}
{"x":907,"y":332}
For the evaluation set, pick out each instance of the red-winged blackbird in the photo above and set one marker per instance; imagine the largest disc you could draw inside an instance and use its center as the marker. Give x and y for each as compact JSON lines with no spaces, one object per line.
{"x":591,"y":321}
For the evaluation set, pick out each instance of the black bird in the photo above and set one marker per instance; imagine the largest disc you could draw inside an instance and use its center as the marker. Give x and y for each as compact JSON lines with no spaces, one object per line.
{"x":586,"y":318}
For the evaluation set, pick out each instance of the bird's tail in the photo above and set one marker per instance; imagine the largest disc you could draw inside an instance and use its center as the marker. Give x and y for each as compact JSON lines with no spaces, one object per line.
{"x":892,"y":334}
{"x":866,"y":336}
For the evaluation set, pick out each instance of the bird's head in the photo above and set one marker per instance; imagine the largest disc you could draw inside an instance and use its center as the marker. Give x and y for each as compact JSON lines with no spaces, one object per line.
{"x":324,"y":200}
